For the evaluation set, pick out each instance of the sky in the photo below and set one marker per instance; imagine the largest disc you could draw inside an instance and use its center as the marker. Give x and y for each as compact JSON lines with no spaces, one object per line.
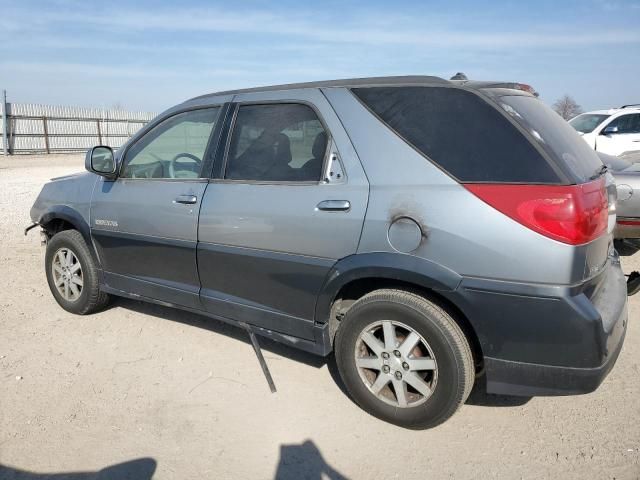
{"x":151,"y":55}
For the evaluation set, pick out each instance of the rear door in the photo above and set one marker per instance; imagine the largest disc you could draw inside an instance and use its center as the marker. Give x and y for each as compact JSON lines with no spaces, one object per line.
{"x":287,"y":201}
{"x":144,"y":224}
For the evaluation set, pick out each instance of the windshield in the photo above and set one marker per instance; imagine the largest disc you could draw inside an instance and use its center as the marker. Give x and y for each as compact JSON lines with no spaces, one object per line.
{"x":554,"y":136}
{"x":586,"y":122}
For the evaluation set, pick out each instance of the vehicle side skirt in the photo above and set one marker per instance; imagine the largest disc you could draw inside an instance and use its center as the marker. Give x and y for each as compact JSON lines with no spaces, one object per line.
{"x":320,"y":346}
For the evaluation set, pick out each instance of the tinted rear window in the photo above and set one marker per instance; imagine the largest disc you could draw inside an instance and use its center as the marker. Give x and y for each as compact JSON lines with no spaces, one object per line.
{"x":460,"y":132}
{"x":554,"y":135}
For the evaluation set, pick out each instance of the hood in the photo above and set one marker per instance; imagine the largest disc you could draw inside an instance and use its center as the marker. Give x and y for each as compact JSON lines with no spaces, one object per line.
{"x":71,"y":176}
{"x":616,"y":164}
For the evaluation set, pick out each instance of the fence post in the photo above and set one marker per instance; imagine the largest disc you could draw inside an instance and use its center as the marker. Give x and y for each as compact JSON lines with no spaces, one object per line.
{"x":99,"y":133}
{"x":5,"y":124}
{"x":46,"y":134}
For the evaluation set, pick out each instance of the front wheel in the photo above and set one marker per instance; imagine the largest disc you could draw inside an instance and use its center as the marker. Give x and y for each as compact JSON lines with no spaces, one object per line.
{"x":404,"y":359}
{"x":72,"y":274}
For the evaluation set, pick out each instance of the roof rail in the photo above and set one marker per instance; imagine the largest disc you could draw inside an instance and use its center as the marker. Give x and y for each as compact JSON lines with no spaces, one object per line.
{"x":631,"y":105}
{"x":348,"y":82}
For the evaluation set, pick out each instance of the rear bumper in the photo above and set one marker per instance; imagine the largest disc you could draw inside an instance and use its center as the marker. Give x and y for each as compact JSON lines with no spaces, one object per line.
{"x":627,"y":227}
{"x":548,"y":340}
{"x":529,"y":379}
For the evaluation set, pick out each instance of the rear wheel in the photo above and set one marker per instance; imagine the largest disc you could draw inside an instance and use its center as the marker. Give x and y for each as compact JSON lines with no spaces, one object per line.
{"x":404,"y":359}
{"x":72,"y":274}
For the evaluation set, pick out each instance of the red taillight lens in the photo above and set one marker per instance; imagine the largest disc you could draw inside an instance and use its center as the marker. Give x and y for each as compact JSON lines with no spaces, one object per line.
{"x":573,"y":214}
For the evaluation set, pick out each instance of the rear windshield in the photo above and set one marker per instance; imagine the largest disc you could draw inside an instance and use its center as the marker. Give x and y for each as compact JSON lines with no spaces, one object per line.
{"x":461,"y":133}
{"x":554,"y":135}
{"x":586,"y":122}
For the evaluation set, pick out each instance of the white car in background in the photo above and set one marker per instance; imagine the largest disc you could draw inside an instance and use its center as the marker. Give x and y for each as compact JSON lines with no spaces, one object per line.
{"x":614,"y":132}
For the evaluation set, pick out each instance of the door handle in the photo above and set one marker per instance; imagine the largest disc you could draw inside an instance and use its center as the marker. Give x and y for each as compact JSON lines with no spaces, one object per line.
{"x":334,"y":205}
{"x":186,"y":199}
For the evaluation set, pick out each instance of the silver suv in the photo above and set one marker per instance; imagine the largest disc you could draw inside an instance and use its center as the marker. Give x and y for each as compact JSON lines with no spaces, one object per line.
{"x":428,"y":232}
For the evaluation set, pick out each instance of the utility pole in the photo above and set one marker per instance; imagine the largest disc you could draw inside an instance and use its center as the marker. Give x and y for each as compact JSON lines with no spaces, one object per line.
{"x":5,"y":124}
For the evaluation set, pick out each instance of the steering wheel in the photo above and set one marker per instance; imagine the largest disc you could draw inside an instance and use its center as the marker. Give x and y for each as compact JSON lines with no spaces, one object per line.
{"x":178,"y":171}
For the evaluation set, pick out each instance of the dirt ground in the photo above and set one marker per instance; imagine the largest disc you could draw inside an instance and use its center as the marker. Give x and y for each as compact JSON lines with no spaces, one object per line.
{"x":140,"y":390}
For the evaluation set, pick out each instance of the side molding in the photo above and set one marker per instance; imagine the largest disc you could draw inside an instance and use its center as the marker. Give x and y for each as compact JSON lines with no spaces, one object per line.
{"x":386,"y":266}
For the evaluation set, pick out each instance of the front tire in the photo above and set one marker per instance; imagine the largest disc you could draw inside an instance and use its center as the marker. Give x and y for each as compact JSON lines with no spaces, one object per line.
{"x":404,"y":359}
{"x":72,"y":274}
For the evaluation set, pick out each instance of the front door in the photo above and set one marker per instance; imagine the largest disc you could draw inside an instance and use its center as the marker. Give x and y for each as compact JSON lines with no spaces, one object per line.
{"x":145,"y":223}
{"x":625,"y":139}
{"x":289,"y":202}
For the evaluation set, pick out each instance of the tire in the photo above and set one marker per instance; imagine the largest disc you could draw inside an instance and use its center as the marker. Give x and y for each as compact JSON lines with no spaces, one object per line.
{"x":75,"y":288}
{"x":441,"y":348}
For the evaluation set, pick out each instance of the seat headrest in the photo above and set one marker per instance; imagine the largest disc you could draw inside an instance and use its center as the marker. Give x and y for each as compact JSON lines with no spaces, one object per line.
{"x":282,"y":147}
{"x":319,"y":145}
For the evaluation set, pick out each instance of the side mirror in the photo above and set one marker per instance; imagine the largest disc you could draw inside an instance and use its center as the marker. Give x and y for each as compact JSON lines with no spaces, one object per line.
{"x":609,"y":130}
{"x":100,"y":160}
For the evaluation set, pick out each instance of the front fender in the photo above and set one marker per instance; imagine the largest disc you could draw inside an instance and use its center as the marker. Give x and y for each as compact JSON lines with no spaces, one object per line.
{"x":387,"y":266}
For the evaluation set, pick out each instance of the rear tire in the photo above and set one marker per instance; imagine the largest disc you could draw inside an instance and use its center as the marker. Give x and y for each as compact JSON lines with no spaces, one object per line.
{"x":411,"y":386}
{"x":72,"y":274}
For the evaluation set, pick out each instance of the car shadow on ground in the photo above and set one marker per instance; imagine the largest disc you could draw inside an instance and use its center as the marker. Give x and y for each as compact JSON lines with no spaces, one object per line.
{"x":478,"y":396}
{"x":138,"y":469}
{"x":217,"y":326}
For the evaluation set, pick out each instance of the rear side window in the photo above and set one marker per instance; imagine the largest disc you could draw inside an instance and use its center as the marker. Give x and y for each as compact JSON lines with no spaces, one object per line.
{"x":276,"y":143}
{"x":460,"y":132}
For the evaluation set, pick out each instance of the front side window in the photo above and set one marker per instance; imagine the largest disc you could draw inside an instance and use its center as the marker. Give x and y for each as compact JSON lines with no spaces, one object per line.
{"x":174,"y":148}
{"x":626,"y":123}
{"x":586,"y":122}
{"x":277,"y":143}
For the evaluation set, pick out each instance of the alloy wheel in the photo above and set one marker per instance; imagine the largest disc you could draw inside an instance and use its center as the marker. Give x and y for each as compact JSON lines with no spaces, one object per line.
{"x":396,"y":363}
{"x":67,"y":274}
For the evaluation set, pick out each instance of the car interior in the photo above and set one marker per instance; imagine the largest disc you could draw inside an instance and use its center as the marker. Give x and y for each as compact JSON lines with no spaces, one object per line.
{"x":285,"y":145}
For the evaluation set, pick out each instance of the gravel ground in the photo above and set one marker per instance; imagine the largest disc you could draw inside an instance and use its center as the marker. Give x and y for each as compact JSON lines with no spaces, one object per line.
{"x":141,"y":388}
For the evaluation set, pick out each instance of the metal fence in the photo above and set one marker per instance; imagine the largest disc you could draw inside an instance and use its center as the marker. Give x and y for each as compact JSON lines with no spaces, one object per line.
{"x":34,"y":128}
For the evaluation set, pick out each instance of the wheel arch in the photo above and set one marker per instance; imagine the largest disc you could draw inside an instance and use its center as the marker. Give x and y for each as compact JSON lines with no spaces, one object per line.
{"x":355,"y":276}
{"x":61,"y":217}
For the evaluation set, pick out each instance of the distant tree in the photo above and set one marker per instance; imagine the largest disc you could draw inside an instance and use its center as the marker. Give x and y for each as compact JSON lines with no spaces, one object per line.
{"x":567,"y":107}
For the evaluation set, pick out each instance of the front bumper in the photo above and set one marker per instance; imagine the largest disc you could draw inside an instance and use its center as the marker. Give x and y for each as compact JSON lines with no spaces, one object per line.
{"x":548,"y":340}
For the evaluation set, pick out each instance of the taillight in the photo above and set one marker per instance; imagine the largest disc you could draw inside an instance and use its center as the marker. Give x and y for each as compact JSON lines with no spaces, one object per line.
{"x":573,"y":214}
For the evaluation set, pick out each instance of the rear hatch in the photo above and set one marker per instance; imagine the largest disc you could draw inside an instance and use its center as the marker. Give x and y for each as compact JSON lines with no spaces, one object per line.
{"x":586,"y":177}
{"x":514,"y":153}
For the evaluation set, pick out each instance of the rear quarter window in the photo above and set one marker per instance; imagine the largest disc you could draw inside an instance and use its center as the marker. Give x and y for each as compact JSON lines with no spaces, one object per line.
{"x":460,"y":132}
{"x":554,"y":135}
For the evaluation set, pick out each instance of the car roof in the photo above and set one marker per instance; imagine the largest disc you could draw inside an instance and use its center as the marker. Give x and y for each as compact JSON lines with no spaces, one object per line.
{"x":405,"y":80}
{"x":346,"y":82}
